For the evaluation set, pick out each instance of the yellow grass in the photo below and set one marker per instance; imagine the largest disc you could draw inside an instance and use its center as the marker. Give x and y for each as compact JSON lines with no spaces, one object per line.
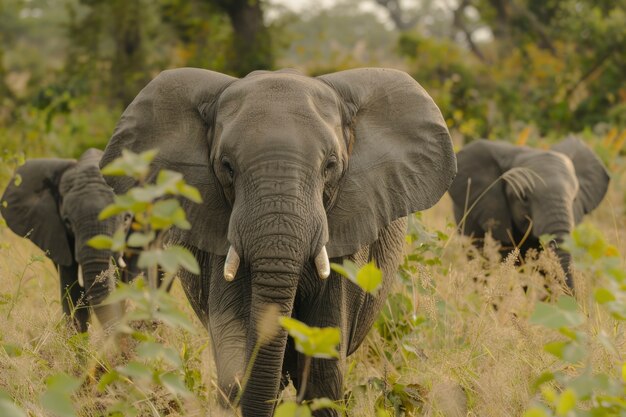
{"x":469,"y":358}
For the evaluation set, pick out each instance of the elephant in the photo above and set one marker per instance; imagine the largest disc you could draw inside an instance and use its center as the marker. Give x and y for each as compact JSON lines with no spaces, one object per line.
{"x":519,"y":193}
{"x":294,"y":172}
{"x":56,"y":206}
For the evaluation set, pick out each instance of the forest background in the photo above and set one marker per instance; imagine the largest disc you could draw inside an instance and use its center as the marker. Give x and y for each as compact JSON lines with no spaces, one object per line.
{"x":496,"y":68}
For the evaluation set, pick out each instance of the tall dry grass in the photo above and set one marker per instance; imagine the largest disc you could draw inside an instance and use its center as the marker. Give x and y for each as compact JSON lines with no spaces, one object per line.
{"x":471,"y":350}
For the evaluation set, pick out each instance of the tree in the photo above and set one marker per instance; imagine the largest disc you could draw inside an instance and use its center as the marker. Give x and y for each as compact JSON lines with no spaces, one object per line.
{"x":251,"y":44}
{"x":108,"y":34}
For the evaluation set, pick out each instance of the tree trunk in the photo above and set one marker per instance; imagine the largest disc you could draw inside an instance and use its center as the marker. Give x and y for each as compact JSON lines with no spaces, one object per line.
{"x":127,"y":69}
{"x":252,"y":46}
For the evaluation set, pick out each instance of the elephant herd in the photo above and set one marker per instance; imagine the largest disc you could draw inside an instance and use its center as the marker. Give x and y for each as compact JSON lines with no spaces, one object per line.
{"x":295,"y":172}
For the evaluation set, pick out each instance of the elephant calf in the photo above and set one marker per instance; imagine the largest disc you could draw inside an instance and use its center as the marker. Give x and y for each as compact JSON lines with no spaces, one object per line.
{"x":519,"y":193}
{"x":56,"y":205}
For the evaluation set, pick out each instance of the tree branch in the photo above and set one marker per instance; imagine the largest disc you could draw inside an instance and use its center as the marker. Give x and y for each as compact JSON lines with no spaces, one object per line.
{"x":536,"y":24}
{"x":397,"y":15}
{"x":459,"y":23}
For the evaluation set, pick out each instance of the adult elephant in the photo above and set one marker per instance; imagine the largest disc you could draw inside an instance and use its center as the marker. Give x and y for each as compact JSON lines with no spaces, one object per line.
{"x":292,"y":170}
{"x":56,"y":205}
{"x":519,"y":193}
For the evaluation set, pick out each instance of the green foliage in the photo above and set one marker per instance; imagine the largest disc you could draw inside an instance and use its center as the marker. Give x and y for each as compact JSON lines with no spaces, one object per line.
{"x":584,"y":392}
{"x":152,"y":214}
{"x":552,"y":65}
{"x":57,"y":399}
{"x":368,"y":277}
{"x":424,"y":247}
{"x":157,"y":366}
{"x":314,"y":342}
{"x":8,"y":408}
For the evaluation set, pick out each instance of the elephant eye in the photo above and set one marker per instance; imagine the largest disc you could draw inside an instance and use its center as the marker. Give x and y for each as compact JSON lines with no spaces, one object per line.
{"x":228,"y":168}
{"x":331,"y":164}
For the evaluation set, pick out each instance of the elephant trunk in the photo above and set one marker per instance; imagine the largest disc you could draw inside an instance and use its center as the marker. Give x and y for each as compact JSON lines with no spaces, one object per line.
{"x":268,"y":287}
{"x":275,"y":257}
{"x":565,"y":258}
{"x":99,"y":281}
{"x":275,"y":230}
{"x":556,"y":217}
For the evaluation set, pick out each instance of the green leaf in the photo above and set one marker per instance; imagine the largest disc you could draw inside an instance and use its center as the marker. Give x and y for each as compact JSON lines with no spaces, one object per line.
{"x":185,"y":258}
{"x":166,"y":213}
{"x":12,"y":350}
{"x":291,"y":409}
{"x":153,"y":350}
{"x":565,"y":313}
{"x":148,"y":258}
{"x":190,"y":193}
{"x":131,"y":164}
{"x":567,"y":401}
{"x":542,"y":379}
{"x":536,"y":412}
{"x":169,"y":180}
{"x":603,"y":296}
{"x":368,"y":277}
{"x":136,"y":370}
{"x":9,"y":409}
{"x":173,"y":317}
{"x":57,"y":397}
{"x":118,"y":243}
{"x":62,"y":382}
{"x":569,"y":351}
{"x":145,"y":194}
{"x":584,"y":385}
{"x":174,"y":383}
{"x":111,"y":210}
{"x":18,"y":180}
{"x":100,"y":242}
{"x":170,"y":259}
{"x":545,"y":239}
{"x":107,"y":379}
{"x":313,"y":341}
{"x":321,"y":403}
{"x":139,"y":240}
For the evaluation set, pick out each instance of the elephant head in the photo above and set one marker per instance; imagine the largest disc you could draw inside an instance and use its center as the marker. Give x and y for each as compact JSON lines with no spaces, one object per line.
{"x":56,"y":206}
{"x":292,"y":170}
{"x":519,"y":193}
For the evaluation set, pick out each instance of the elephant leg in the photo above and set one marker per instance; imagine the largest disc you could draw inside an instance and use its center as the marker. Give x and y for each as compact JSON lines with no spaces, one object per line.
{"x":325,"y":381}
{"x":223,"y":308}
{"x":72,"y":297}
{"x":229,"y":311}
{"x":322,"y":306}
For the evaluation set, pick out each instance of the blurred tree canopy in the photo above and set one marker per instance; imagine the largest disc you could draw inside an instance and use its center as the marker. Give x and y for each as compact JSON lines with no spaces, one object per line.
{"x":495,"y":67}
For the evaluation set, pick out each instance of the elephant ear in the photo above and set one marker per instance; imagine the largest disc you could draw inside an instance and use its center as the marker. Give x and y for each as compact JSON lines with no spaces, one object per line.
{"x":32,"y":206}
{"x":484,"y":206}
{"x":173,"y":114}
{"x":401,"y":158}
{"x":592,"y":175}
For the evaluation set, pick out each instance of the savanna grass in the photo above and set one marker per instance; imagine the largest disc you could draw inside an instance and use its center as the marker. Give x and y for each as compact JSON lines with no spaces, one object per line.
{"x":460,"y":340}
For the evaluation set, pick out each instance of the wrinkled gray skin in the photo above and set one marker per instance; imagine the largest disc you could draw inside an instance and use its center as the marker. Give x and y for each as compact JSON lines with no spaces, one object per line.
{"x":56,"y":205}
{"x":288,"y":164}
{"x":561,"y":185}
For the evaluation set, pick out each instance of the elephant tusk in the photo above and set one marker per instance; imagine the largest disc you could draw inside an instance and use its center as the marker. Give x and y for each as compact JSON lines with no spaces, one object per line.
{"x":120,"y":262}
{"x":322,"y":264}
{"x":81,"y":280}
{"x":231,"y":264}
